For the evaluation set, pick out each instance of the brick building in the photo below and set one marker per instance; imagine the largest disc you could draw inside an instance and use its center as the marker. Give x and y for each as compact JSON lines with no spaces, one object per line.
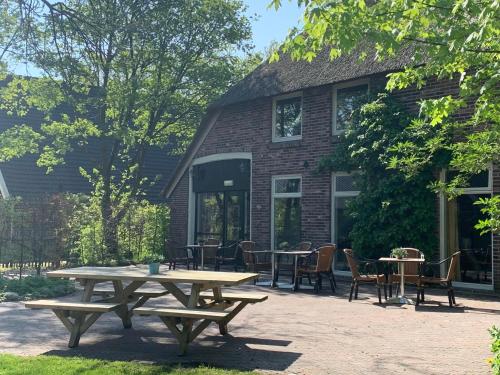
{"x":251,"y":171}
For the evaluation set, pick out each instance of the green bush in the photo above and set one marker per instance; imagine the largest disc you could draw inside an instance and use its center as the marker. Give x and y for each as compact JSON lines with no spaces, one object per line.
{"x":141,"y":233}
{"x":34,"y":287}
{"x":391,"y":210}
{"x":495,"y":349}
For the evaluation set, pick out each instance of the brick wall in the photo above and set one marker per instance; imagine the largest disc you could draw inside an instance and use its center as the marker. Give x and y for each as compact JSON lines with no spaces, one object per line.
{"x":247,"y":127}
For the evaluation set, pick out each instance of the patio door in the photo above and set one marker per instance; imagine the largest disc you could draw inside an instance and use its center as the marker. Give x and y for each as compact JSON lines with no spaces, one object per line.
{"x":222,"y":215}
{"x":222,"y":200}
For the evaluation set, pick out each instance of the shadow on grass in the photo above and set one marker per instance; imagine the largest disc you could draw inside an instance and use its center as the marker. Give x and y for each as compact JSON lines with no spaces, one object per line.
{"x":227,"y":352}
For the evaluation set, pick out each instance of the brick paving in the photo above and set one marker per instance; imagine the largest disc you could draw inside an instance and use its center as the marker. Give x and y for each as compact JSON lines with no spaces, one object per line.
{"x":291,"y":333}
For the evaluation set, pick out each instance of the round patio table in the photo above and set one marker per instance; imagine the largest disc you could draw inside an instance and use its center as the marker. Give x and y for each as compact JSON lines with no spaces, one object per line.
{"x":402,"y":299}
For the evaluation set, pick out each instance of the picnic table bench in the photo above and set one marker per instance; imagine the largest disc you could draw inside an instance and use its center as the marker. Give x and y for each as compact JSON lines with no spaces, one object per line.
{"x":199,"y":306}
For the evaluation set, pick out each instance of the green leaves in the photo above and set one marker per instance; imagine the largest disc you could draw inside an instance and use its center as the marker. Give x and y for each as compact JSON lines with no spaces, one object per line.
{"x":18,"y":141}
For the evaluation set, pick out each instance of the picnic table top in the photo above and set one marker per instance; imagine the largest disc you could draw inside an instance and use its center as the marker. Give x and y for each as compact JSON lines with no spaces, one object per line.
{"x":134,"y":273}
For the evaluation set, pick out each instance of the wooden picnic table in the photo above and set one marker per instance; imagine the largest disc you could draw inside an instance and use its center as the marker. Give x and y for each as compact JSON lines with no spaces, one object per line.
{"x":197,"y":305}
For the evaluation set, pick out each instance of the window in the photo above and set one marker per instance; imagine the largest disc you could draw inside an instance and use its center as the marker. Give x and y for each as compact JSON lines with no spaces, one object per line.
{"x":286,"y":211}
{"x":343,"y":190}
{"x":346,"y":99}
{"x":287,"y":118}
{"x":462,"y":214}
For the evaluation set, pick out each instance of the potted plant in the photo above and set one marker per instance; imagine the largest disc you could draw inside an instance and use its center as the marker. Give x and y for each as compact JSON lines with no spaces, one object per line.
{"x":399,"y":253}
{"x":153,"y":260}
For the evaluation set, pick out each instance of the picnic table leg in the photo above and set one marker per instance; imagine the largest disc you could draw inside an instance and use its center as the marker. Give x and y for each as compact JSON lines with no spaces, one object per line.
{"x":122,"y":311}
{"x":187,"y":324}
{"x":79,"y":317}
{"x":218,"y":298}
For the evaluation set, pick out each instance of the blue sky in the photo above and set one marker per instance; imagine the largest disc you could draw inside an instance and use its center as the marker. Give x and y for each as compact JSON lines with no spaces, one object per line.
{"x":272,"y":25}
{"x":269,"y":25}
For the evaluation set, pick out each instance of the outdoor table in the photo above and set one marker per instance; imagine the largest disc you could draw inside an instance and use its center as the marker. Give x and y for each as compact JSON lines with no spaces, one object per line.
{"x":402,"y":299}
{"x":170,"y":280}
{"x":296,"y":254}
{"x":201,"y":248}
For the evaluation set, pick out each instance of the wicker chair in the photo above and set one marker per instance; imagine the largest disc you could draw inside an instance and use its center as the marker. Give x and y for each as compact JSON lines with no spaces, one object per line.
{"x":255,"y":261}
{"x":177,"y":254}
{"x":210,"y":252}
{"x":229,"y":254}
{"x":412,"y":270}
{"x":323,"y":266}
{"x":445,"y":282}
{"x":357,"y":277}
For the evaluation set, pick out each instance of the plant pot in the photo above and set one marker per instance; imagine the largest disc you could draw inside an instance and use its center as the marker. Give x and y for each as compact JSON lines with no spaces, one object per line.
{"x":154,"y":268}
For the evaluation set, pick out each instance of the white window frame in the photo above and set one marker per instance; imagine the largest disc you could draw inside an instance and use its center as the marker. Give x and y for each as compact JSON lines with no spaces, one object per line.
{"x":341,"y":194}
{"x":443,"y":227}
{"x":282,"y":195}
{"x":4,"y":192}
{"x":276,"y":138}
{"x":337,"y":87}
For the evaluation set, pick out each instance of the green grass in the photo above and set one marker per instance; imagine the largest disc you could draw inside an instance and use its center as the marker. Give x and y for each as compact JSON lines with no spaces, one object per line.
{"x":34,"y":287}
{"x":51,"y":365}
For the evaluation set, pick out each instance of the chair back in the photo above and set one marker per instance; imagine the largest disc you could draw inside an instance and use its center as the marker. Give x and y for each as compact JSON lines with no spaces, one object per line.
{"x":453,"y":266}
{"x":353,"y":265}
{"x":247,"y":248}
{"x":211,"y":251}
{"x":325,"y":258}
{"x":412,"y":268}
{"x":304,"y":246}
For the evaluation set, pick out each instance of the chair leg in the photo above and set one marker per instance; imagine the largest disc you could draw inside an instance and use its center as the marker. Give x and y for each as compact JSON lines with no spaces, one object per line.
{"x":418,"y":296}
{"x":385,"y":291}
{"x":309,"y":279}
{"x":379,"y":292}
{"x":332,"y":283}
{"x":317,"y":284}
{"x":423,"y":294}
{"x":356,"y":290}
{"x":352,"y":290}
{"x":453,"y":296}
{"x":390,"y":290}
{"x":333,"y":278}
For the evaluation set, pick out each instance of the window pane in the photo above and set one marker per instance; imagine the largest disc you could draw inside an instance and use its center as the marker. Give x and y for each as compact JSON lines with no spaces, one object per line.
{"x":348,"y":99}
{"x":210,"y":208}
{"x":288,"y":185}
{"x":286,"y":222}
{"x":479,"y":180}
{"x":345,"y":184}
{"x":288,"y":117}
{"x":475,"y":258}
{"x":343,"y":226}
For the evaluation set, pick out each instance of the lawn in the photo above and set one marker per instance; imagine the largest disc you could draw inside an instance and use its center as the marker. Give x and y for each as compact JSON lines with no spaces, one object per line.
{"x":52,"y":365}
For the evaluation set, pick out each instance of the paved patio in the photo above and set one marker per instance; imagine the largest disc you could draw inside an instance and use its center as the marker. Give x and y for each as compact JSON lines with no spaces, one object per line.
{"x":293,"y":333}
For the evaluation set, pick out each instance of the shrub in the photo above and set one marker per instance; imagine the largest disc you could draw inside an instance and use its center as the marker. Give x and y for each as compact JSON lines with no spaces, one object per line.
{"x":34,"y":287}
{"x":495,"y":349}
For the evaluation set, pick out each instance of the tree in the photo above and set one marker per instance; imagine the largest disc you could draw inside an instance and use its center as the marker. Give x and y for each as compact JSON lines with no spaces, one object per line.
{"x":390,"y":210}
{"x":134,"y":74}
{"x":451,"y":39}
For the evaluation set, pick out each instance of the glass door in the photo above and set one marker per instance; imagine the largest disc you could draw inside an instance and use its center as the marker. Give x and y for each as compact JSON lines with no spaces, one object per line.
{"x":222,"y":215}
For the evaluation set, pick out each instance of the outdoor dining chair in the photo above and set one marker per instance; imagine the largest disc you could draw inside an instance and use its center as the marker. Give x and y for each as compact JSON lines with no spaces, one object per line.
{"x":445,"y":282}
{"x":322,"y":266}
{"x":255,"y":261}
{"x":412,"y":271}
{"x":365,"y":278}
{"x":229,"y":254}
{"x":177,"y":254}
{"x":210,"y":252}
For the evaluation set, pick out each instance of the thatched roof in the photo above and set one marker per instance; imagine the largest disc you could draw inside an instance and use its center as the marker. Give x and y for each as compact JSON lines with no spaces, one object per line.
{"x":286,"y":75}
